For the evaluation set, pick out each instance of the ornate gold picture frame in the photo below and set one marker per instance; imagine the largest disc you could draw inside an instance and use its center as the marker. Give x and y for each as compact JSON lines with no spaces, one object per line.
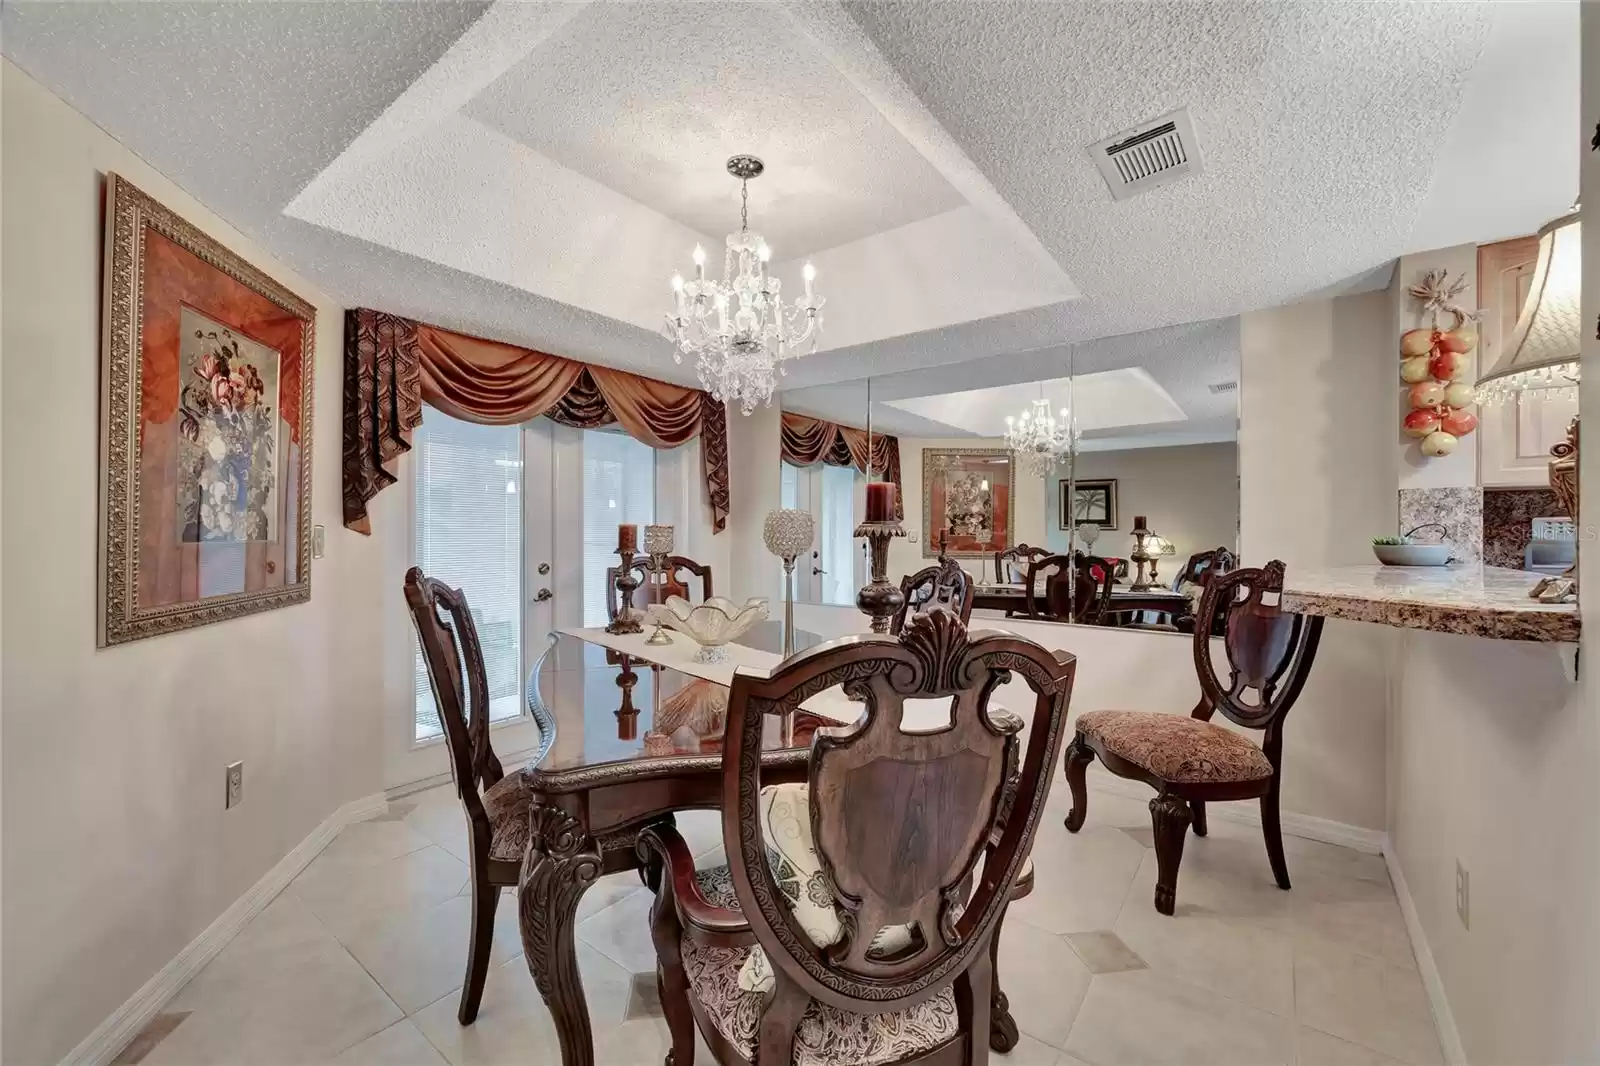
{"x":967,"y":493}
{"x":207,"y":367}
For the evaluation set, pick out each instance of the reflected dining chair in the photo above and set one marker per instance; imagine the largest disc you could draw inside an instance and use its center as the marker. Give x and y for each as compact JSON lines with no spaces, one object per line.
{"x":1193,"y":578}
{"x":496,"y":806}
{"x":679,"y":571}
{"x":1191,"y":761}
{"x":850,"y":925}
{"x":1010,"y":565}
{"x":944,"y":584}
{"x":1054,"y":593}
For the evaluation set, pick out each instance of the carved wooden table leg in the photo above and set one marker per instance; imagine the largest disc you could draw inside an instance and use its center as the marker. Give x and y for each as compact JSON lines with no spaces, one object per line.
{"x":562,"y":861}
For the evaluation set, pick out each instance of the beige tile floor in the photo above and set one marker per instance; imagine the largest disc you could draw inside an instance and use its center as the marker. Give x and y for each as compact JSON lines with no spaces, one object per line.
{"x":360,"y":961}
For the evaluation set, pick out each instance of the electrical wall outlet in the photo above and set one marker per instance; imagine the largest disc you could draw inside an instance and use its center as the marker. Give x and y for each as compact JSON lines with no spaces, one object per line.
{"x":235,"y":785}
{"x":1461,"y":895}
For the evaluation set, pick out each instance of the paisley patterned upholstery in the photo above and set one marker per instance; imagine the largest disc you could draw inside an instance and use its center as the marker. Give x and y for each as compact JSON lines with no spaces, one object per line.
{"x":1176,"y":748}
{"x":506,"y":803}
{"x":827,"y":1036}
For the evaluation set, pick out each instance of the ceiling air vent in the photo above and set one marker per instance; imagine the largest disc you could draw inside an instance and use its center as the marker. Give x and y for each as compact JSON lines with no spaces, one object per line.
{"x":1222,"y":387}
{"x":1148,"y":156}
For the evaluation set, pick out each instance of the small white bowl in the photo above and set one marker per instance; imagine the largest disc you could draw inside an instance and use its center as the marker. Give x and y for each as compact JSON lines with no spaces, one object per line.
{"x":712,"y":624}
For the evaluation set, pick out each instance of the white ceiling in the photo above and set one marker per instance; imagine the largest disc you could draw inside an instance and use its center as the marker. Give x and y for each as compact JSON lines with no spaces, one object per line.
{"x":1108,"y":399}
{"x":655,"y":106}
{"x":535,"y":171}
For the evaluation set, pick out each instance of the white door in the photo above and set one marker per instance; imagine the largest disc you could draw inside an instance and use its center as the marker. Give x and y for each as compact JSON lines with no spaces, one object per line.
{"x":481,"y":507}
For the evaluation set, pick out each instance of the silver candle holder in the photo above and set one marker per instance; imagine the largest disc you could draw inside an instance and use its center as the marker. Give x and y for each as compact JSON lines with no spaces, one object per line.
{"x":657,"y":545}
{"x":788,"y":533}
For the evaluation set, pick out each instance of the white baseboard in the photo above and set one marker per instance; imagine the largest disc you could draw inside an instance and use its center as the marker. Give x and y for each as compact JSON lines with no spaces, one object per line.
{"x":1307,"y":826}
{"x":113,"y":1034}
{"x":1443,"y":1020}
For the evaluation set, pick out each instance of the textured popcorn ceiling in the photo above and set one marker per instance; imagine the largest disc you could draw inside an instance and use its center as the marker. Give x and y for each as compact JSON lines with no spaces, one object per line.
{"x":532,"y":171}
{"x":655,"y":100}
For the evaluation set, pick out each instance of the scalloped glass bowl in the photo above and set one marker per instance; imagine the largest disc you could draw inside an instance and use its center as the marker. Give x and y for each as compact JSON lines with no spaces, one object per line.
{"x":712,"y":624}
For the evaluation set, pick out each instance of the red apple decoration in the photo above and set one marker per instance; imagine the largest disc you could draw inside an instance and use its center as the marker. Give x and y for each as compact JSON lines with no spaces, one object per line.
{"x":1438,"y":444}
{"x":1414,"y":370}
{"x":1422,"y":423}
{"x":1458,"y":422}
{"x":1460,"y":340}
{"x":1449,"y":366}
{"x":1460,"y":394}
{"x":1426,"y":394}
{"x":1415,"y":342}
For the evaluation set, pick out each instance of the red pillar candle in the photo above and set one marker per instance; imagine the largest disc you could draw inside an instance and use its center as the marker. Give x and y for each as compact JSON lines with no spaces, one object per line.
{"x":627,"y":538}
{"x":880,"y":501}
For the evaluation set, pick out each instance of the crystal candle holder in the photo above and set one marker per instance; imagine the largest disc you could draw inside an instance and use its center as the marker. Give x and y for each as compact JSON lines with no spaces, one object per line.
{"x":658,"y":540}
{"x":788,"y":532}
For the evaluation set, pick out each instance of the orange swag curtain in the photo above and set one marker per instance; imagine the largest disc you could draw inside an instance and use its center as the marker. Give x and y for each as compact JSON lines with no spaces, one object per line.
{"x":808,"y":440}
{"x":393,"y":366}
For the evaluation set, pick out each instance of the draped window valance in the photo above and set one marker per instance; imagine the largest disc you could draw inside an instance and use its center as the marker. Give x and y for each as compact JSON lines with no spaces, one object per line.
{"x":394,"y":365}
{"x":808,"y":440}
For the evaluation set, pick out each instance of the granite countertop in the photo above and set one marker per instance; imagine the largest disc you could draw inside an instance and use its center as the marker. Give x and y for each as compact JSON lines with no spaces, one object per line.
{"x":1482,"y":601}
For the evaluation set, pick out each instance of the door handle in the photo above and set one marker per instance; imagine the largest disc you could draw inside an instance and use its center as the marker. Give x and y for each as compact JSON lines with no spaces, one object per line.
{"x":542,"y":595}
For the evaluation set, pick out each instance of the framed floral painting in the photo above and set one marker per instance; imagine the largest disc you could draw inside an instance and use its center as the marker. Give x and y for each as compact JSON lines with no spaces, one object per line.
{"x":966,"y":496}
{"x":206,"y":379}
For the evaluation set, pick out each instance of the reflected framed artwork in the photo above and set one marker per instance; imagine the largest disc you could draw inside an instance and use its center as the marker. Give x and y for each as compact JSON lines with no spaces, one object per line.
{"x":967,"y":495}
{"x":1088,"y":501}
{"x":206,"y":379}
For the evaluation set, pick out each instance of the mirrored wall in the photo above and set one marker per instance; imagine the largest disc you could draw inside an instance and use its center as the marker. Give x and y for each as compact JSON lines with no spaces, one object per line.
{"x":1106,"y":498}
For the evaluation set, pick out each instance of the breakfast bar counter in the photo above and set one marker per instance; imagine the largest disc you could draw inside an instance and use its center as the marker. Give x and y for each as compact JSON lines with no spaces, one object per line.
{"x":1482,"y":601}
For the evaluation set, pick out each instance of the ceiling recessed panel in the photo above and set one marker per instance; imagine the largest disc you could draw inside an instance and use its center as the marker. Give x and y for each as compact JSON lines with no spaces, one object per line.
{"x":1106,"y":400}
{"x":651,"y":100}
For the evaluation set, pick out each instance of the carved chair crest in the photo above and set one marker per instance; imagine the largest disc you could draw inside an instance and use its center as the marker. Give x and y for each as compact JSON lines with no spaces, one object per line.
{"x":899,"y":818}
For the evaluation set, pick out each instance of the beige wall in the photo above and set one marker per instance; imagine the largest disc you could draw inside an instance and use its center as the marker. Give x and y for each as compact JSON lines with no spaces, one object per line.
{"x":116,"y":848}
{"x":1316,"y":483}
{"x":1188,"y":494}
{"x":1028,"y":504}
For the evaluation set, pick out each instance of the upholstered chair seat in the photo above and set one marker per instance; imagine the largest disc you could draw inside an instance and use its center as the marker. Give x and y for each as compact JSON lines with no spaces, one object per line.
{"x":1176,"y":748}
{"x":827,"y":1036}
{"x":506,"y":804}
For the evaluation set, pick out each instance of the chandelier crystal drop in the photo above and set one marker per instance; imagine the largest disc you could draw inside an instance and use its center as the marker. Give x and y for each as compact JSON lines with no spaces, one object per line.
{"x":1039,"y":439}
{"x":737,"y":330}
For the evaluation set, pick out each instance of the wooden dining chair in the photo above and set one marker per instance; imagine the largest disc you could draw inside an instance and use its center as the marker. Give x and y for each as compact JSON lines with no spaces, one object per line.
{"x":679,"y":571}
{"x":1190,"y":761}
{"x":944,"y":585}
{"x":851,"y":925}
{"x":495,"y":805}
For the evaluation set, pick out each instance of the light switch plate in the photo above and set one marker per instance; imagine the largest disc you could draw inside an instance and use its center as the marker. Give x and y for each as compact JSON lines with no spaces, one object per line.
{"x":319,"y":541}
{"x":235,"y":785}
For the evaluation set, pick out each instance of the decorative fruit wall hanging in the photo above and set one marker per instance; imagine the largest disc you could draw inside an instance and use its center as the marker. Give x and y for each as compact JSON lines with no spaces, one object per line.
{"x":1435,"y":365}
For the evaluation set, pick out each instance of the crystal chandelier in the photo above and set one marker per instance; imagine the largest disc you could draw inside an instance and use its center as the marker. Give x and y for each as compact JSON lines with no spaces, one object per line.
{"x":737,"y":329}
{"x":1038,"y":439}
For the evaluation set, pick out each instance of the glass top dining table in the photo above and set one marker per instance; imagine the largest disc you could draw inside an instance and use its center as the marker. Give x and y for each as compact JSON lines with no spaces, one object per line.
{"x":597,"y":707}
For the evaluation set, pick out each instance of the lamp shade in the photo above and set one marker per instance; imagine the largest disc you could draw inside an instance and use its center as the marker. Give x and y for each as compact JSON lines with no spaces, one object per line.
{"x":1542,"y":352}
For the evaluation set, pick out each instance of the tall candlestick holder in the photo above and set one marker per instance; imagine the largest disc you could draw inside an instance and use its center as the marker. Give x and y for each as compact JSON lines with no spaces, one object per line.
{"x":878,"y":599}
{"x":627,"y":619}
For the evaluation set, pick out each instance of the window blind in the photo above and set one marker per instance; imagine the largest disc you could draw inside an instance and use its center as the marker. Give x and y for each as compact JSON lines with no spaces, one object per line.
{"x":469,"y":535}
{"x":836,"y":538}
{"x":619,"y":486}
